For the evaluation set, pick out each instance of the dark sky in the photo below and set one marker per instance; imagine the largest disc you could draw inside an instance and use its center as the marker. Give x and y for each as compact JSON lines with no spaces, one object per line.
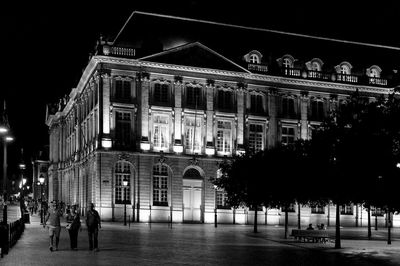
{"x":46,"y":47}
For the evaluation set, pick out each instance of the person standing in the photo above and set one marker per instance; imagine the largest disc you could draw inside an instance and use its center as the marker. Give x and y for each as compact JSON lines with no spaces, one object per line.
{"x":93,"y":224}
{"x":73,"y":228}
{"x":53,"y":220}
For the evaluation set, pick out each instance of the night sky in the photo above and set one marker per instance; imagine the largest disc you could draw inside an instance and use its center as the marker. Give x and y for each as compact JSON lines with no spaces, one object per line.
{"x":46,"y":47}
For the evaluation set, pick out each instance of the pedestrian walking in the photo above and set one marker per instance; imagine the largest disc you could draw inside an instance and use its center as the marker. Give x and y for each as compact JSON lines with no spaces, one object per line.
{"x":93,"y":224}
{"x":73,"y":227}
{"x":53,"y":224}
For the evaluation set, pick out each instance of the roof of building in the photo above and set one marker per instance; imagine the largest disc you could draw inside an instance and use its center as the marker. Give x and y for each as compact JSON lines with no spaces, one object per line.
{"x":152,"y":33}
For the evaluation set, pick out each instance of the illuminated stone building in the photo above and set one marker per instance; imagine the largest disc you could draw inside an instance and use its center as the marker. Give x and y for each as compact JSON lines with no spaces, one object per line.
{"x":168,"y":98}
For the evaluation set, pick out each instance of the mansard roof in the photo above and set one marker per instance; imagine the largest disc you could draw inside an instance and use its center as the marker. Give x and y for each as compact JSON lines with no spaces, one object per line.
{"x":196,"y":55}
{"x":150,"y":33}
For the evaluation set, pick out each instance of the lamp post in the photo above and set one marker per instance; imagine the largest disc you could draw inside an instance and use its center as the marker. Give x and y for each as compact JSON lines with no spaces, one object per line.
{"x":125,"y":184}
{"x":41,"y":182}
{"x":6,"y":139}
{"x":215,"y":207}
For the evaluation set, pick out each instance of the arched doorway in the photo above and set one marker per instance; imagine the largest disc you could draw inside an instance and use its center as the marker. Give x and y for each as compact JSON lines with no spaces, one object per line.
{"x":192,"y":195}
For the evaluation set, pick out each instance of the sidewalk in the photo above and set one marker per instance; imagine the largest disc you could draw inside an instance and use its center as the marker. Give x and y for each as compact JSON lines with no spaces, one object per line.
{"x":198,"y":244}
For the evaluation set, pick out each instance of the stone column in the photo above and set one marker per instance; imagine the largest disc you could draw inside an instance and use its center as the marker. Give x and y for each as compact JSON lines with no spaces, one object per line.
{"x":105,"y":100}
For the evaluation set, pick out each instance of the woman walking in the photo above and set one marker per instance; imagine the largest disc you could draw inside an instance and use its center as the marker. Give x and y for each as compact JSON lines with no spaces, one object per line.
{"x":74,"y":227}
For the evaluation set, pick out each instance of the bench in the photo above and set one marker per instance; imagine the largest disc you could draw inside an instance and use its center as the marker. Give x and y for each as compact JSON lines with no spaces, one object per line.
{"x":310,"y":235}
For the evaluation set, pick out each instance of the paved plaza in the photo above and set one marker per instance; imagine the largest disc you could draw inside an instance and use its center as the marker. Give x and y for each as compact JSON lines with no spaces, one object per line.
{"x":201,"y":244}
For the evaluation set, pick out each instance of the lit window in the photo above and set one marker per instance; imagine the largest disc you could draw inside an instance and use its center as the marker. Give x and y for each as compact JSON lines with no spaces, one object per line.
{"x":346,"y":209}
{"x":122,"y":129}
{"x":193,"y":134}
{"x":160,"y":132}
{"x":224,"y":137}
{"x":254,"y":59}
{"x":222,"y":200}
{"x":315,"y":66}
{"x":122,"y":172}
{"x":256,"y":137}
{"x":319,"y":209}
{"x":374,"y":73}
{"x":377,"y":211}
{"x":345,"y":69}
{"x":160,"y":185}
{"x":288,"y":135}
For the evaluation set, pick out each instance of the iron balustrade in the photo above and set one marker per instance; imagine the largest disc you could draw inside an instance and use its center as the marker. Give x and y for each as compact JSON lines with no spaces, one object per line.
{"x":346,"y":78}
{"x":377,"y":81}
{"x":257,"y":67}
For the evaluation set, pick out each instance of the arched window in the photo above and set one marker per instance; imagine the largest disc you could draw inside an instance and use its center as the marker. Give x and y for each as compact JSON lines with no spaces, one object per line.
{"x":287,"y":63}
{"x":254,"y":59}
{"x":344,"y":69}
{"x":315,"y":66}
{"x":122,"y":172}
{"x":160,"y":185}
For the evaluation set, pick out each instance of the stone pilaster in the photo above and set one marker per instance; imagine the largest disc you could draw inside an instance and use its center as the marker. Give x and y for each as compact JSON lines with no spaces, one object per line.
{"x":273,"y":122}
{"x":210,"y":147}
{"x":240,"y":117}
{"x":304,"y":102}
{"x":144,"y":111}
{"x":178,"y":86}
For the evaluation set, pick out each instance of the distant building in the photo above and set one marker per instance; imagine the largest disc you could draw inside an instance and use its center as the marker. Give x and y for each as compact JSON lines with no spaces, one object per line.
{"x":169,"y":98}
{"x":40,"y":181}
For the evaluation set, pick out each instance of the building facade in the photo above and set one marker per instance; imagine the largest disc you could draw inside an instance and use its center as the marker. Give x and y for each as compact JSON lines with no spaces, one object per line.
{"x":160,"y":117}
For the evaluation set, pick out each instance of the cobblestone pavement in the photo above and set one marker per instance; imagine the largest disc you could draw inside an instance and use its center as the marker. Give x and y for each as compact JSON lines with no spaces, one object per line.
{"x":200,"y":244}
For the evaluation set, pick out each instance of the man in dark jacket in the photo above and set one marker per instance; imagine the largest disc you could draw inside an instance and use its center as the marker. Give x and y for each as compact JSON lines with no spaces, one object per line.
{"x":93,"y":224}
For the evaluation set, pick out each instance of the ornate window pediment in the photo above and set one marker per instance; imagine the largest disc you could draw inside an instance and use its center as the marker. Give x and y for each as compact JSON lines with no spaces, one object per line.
{"x":344,"y":68}
{"x":315,"y":64}
{"x":286,"y":61}
{"x":374,"y":71}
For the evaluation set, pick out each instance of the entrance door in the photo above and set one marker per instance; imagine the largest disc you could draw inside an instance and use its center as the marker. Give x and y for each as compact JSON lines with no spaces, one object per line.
{"x":192,"y":198}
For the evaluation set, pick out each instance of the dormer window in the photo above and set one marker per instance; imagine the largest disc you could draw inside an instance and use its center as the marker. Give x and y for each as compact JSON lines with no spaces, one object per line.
{"x":286,"y":61}
{"x":344,"y":68}
{"x":374,"y":71}
{"x":314,"y":65}
{"x":254,"y":57}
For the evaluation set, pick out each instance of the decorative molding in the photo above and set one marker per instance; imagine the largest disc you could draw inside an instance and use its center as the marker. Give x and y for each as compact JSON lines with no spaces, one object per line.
{"x":194,"y":160}
{"x":123,"y":157}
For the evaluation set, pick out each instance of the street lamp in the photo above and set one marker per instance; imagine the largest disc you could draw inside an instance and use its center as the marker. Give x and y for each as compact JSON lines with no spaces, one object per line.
{"x":41,"y":182}
{"x":5,"y":140}
{"x":125,"y":184}
{"x":216,"y":206}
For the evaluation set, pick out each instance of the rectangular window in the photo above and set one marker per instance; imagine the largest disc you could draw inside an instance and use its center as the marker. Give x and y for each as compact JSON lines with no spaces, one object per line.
{"x":346,"y":209}
{"x":193,"y":97}
{"x":123,"y":90}
{"x":225,"y":100}
{"x":193,"y":134}
{"x":256,"y":137}
{"x":318,"y":209}
{"x":160,"y":185}
{"x":317,"y":110}
{"x":256,"y":104}
{"x":123,"y":129}
{"x":288,"y":109}
{"x":288,"y":135}
{"x":161,"y":93}
{"x":222,"y":200}
{"x":160,"y":132}
{"x":122,"y":194}
{"x":224,"y":137}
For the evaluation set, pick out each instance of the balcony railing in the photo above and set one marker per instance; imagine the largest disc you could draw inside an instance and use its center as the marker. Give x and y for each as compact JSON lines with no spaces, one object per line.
{"x":312,"y":74}
{"x":292,"y":72}
{"x":257,"y":68}
{"x":346,"y":78}
{"x":377,"y":81}
{"x":122,"y":51}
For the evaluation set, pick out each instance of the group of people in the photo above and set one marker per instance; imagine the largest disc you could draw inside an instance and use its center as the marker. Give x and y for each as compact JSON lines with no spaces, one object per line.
{"x":52,"y":221}
{"x":319,"y":226}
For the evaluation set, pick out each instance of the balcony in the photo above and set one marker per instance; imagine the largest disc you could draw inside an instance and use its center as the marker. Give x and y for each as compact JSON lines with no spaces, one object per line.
{"x":312,"y":74}
{"x":257,"y":68}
